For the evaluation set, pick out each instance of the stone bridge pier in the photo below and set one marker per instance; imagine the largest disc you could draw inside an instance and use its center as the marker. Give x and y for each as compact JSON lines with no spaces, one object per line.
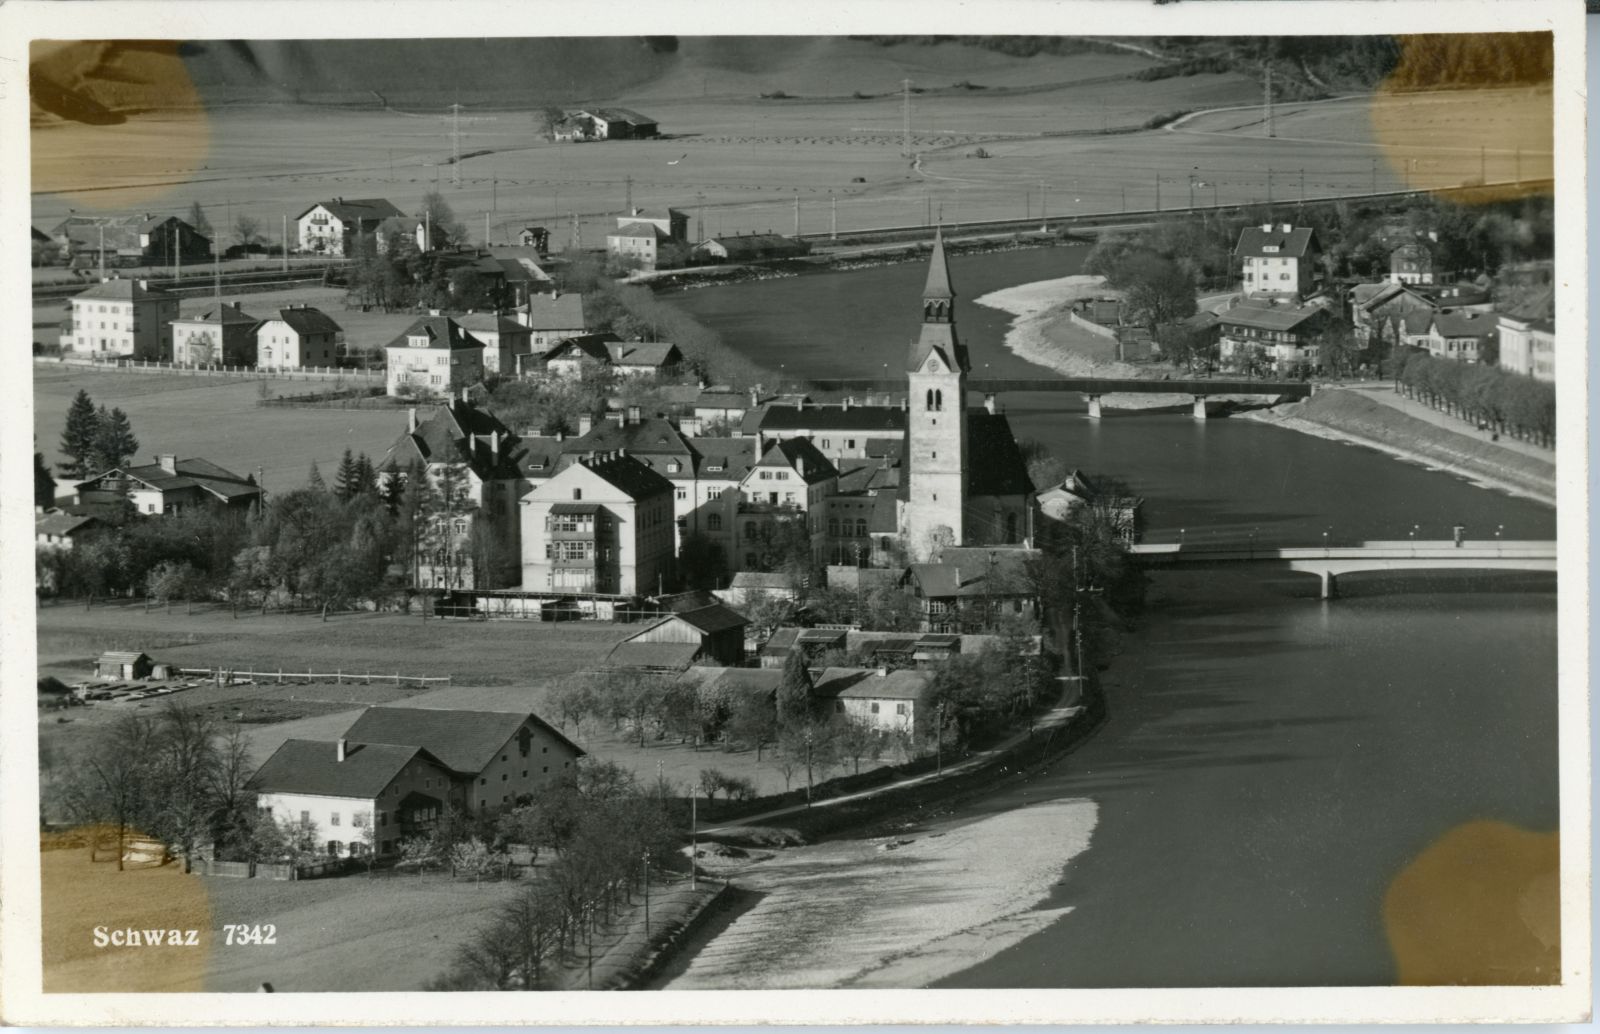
{"x":1199,"y":407}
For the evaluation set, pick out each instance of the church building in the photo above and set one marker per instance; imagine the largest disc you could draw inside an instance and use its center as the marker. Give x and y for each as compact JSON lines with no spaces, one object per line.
{"x":964,"y":481}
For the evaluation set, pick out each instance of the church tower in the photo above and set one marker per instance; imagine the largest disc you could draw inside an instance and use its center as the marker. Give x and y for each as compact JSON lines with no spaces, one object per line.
{"x":936,"y":425}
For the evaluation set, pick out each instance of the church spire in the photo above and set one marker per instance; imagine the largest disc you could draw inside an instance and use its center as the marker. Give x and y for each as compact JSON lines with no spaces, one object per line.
{"x":938,"y":287}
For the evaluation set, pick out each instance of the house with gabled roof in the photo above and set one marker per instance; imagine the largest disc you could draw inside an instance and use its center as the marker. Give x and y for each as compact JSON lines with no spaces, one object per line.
{"x":575,"y":356}
{"x":1528,"y":335}
{"x":705,"y":635}
{"x":118,"y":317}
{"x":1278,"y":261}
{"x":601,"y":527}
{"x":134,"y":240}
{"x":790,"y":482}
{"x":1281,"y":336}
{"x":473,"y":462}
{"x":1461,"y":335}
{"x":225,"y":335}
{"x":621,"y":124}
{"x":341,"y":794}
{"x":885,"y":700}
{"x":299,"y":336}
{"x":505,"y":341}
{"x":170,"y":486}
{"x":551,"y":318}
{"x":333,"y":227}
{"x":840,"y":431}
{"x":436,"y":355}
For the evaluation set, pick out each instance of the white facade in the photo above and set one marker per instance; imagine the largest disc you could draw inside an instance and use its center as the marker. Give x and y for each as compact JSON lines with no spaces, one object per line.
{"x":415,"y":368}
{"x":109,"y":327}
{"x":337,"y":821}
{"x":1527,"y":348}
{"x":281,"y":347}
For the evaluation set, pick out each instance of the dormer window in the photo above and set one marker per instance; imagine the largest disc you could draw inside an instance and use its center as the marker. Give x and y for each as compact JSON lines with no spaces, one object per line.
{"x":417,"y":341}
{"x":1271,"y":249}
{"x":673,"y":466}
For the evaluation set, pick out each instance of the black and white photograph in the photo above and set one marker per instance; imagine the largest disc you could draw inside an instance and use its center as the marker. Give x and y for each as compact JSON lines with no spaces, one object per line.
{"x":1057,"y":508}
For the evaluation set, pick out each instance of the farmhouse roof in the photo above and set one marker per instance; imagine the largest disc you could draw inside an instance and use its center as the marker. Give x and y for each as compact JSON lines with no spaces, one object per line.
{"x":554,"y":312}
{"x":230,"y":315}
{"x":624,"y":115}
{"x":968,"y":575}
{"x":190,"y":473}
{"x":61,"y":523}
{"x":442,"y":332}
{"x":1283,"y":242}
{"x":901,"y":684}
{"x":123,"y":657}
{"x":1453,"y":323}
{"x":364,"y":209}
{"x":652,"y":354}
{"x":800,"y":455}
{"x":118,"y":289}
{"x":463,"y":741}
{"x":313,"y":767}
{"x":648,"y":438}
{"x":1538,"y":309}
{"x":726,"y":458}
{"x":712,"y":619}
{"x":636,"y":230}
{"x":763,"y":580}
{"x":489,"y":323}
{"x":1270,"y":317}
{"x":745,"y":681}
{"x":658,"y":656}
{"x":302,"y":319}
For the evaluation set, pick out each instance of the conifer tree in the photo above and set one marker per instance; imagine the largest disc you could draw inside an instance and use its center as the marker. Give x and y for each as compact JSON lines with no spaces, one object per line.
{"x":344,"y":480}
{"x":44,"y":486}
{"x":314,"y":479}
{"x":78,"y":438}
{"x":794,"y":691}
{"x":366,"y":475}
{"x":114,"y":442}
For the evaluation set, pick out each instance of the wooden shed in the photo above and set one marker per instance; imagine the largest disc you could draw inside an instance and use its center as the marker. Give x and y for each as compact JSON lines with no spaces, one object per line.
{"x":123,"y":664}
{"x":713,"y":634}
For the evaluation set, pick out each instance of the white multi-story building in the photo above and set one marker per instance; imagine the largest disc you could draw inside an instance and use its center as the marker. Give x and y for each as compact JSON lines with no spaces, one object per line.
{"x":119,"y":317}
{"x":296,"y":338}
{"x":334,"y":227}
{"x":1278,"y":261}
{"x":434,"y":356}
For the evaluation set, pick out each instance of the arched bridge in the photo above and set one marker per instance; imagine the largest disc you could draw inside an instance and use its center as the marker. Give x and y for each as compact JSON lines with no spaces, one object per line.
{"x":1329,"y":562}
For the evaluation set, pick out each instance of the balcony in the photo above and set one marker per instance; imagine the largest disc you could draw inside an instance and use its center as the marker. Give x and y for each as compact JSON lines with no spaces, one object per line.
{"x":772,"y":509}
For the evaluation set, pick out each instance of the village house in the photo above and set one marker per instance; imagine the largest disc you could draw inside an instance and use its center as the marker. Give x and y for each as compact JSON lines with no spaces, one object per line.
{"x":515,"y":275}
{"x":551,"y":318}
{"x":1528,"y":336}
{"x":225,"y":335}
{"x":843,"y":431}
{"x":746,"y":586}
{"x":705,"y":635}
{"x":56,"y":530}
{"x":296,"y":338}
{"x":126,"y":665}
{"x":790,"y":482}
{"x":119,"y":317}
{"x":472,"y":539}
{"x":493,"y":757}
{"x":1411,"y":263}
{"x":433,"y":356}
{"x":505,"y":341}
{"x":138,"y":240}
{"x":572,"y":358}
{"x":601,"y":526}
{"x":333,"y":227}
{"x":535,"y":237}
{"x":171,"y":486}
{"x":605,"y":124}
{"x":352,"y":798}
{"x":1076,"y":492}
{"x":970,"y":587}
{"x":645,"y":245}
{"x":885,"y":700}
{"x":1278,"y":261}
{"x":1377,"y":311}
{"x":1459,"y":335}
{"x":1282,"y":337}
{"x":751,"y":247}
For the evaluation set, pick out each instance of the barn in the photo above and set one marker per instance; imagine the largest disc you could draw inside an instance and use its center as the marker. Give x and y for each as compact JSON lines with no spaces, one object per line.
{"x":709,"y":635}
{"x":123,"y":664}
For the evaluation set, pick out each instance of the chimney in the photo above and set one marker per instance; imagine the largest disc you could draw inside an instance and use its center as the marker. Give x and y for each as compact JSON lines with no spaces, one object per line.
{"x":561,"y":436}
{"x":800,"y":402}
{"x":341,"y":749}
{"x":905,"y":404}
{"x":169,"y":463}
{"x":1266,"y":227}
{"x":621,"y":452}
{"x":1287,"y":227}
{"x":433,"y":312}
{"x":411,"y":420}
{"x":585,"y":424}
{"x":847,"y":401}
{"x":883,"y":672}
{"x":472,"y":444}
{"x":988,"y":404}
{"x":145,"y":284}
{"x":494,"y":445}
{"x":755,"y":398}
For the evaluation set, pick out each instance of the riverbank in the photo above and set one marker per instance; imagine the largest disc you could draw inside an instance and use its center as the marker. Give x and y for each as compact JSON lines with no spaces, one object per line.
{"x":1348,"y":416}
{"x":1042,"y":330}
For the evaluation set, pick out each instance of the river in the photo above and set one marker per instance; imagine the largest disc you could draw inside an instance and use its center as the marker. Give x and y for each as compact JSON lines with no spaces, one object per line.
{"x":1272,"y":761}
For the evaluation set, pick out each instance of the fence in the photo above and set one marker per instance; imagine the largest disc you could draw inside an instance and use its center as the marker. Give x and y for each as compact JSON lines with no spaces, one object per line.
{"x":226,"y":676}
{"x":306,"y":373}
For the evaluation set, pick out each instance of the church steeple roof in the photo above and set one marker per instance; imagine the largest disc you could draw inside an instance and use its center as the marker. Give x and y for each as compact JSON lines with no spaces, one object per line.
{"x":938,"y":285}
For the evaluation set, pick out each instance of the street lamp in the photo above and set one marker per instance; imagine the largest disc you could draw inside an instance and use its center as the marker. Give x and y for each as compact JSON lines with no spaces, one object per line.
{"x":1325,"y":539}
{"x":647,"y":894}
{"x":939,"y":738}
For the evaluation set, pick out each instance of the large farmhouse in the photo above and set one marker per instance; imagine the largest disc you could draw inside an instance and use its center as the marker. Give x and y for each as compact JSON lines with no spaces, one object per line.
{"x":333,"y":227}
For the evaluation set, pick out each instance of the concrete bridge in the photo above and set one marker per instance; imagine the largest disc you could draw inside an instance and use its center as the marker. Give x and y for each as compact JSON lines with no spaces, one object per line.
{"x":1329,"y":562}
{"x":1199,"y":389}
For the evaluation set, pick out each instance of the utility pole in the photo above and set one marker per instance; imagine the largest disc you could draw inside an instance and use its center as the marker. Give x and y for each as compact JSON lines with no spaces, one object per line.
{"x":575,"y":242}
{"x":1124,"y":197}
{"x":391,"y":165}
{"x":797,"y":213}
{"x":905,"y":109}
{"x":1269,"y":184}
{"x":700,"y":217}
{"x":1483,"y":165}
{"x":1158,"y":192}
{"x":1374,"y":175}
{"x":833,"y":218}
{"x":1271,"y":131}
{"x":928,"y":201}
{"x":494,"y":193}
{"x":627,"y":203}
{"x":486,"y":229}
{"x":647,"y":895}
{"x":284,"y":233}
{"x":455,"y":141}
{"x":1302,"y":186}
{"x":1044,"y":207}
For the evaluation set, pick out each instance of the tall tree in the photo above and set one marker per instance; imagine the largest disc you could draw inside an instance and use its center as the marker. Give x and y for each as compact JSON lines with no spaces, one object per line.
{"x":114,"y":441}
{"x":44,"y":486}
{"x":314,"y":478}
{"x":794,"y":691}
{"x":78,"y":438}
{"x":198,"y":220}
{"x":344,"y":479}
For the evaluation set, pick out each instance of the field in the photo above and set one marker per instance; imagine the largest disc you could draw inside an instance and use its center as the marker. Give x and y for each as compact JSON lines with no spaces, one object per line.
{"x":494,"y":666}
{"x":217,"y":419}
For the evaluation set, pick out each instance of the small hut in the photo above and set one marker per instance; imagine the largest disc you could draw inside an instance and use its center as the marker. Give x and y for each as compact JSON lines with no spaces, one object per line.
{"x":123,"y":664}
